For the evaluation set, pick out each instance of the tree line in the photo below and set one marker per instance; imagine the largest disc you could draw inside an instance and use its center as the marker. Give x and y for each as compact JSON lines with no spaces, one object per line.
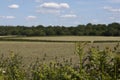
{"x":112,"y":29}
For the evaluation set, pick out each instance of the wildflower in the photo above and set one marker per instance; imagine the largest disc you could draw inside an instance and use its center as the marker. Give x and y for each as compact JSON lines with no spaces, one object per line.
{"x":3,"y":71}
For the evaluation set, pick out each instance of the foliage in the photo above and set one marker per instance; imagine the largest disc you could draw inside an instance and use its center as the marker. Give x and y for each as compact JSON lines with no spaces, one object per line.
{"x":94,"y":64}
{"x":112,"y":29}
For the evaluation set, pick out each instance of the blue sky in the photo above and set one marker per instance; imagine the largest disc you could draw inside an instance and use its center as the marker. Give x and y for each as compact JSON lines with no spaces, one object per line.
{"x":59,"y":12}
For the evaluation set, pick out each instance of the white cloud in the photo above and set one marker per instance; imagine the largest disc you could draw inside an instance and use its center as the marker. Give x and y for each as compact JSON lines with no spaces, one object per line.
{"x":53,"y":5}
{"x":31,"y":17}
{"x":64,"y":5}
{"x":111,"y":9}
{"x":52,"y":8}
{"x":13,"y":6}
{"x":7,"y":17}
{"x":10,"y":17}
{"x":51,"y":11}
{"x":69,"y":16}
{"x":114,"y":13}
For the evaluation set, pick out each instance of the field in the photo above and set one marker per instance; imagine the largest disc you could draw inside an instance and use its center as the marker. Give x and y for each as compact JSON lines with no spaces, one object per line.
{"x":37,"y":49}
{"x":34,"y":47}
{"x":68,"y":38}
{"x":57,"y":59}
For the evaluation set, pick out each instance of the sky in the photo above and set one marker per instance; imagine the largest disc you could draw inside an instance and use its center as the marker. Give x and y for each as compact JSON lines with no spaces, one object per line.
{"x":58,"y":12}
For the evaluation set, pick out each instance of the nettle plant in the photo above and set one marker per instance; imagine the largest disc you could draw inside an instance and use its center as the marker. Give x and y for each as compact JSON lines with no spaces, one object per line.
{"x":94,"y":64}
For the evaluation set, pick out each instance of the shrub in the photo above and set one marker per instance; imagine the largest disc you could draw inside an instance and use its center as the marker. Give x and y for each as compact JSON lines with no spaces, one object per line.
{"x":94,"y":64}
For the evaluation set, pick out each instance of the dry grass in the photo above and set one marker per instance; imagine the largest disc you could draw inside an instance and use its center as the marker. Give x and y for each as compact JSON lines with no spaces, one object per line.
{"x":73,"y":38}
{"x":32,"y":50}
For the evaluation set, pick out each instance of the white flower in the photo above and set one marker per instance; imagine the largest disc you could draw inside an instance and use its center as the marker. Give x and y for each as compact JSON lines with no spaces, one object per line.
{"x":3,"y":72}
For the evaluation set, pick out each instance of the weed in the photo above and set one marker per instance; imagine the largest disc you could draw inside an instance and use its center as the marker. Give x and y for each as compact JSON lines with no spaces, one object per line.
{"x":94,"y":64}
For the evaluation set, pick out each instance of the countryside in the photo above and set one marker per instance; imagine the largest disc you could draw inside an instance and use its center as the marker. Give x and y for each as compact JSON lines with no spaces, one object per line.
{"x":62,"y":57}
{"x":60,"y":40}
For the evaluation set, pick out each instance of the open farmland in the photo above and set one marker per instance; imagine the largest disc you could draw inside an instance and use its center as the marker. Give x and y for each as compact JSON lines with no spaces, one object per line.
{"x":60,"y":40}
{"x":34,"y":47}
{"x":75,"y":38}
{"x":32,"y":50}
{"x":64,"y":39}
{"x":41,"y":58}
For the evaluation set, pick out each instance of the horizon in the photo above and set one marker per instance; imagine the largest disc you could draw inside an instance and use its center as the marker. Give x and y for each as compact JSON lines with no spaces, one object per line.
{"x":59,"y":12}
{"x":57,"y":25}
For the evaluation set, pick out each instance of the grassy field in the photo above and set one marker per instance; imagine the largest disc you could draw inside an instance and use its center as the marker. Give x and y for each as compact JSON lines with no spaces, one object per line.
{"x":66,"y":38}
{"x":57,"y":60}
{"x":32,"y":50}
{"x":75,"y":38}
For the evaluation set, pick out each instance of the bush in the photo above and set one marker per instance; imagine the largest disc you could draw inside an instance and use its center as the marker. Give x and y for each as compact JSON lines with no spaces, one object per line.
{"x":93,"y":65}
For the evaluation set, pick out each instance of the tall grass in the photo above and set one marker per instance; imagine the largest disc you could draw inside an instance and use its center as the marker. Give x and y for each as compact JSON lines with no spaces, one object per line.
{"x":94,"y":64}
